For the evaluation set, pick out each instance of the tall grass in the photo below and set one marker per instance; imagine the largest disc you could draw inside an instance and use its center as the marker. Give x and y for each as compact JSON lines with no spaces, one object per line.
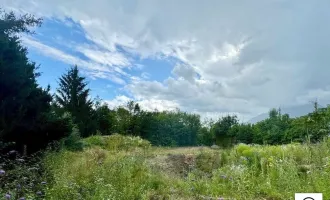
{"x":118,"y":167}
{"x":268,"y":172}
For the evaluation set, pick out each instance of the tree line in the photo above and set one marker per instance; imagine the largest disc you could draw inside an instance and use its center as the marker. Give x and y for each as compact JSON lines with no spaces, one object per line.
{"x":30,"y":116}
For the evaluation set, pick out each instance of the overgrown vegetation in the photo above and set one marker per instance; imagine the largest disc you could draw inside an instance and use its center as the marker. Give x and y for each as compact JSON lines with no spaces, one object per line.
{"x":139,"y":171}
{"x":68,"y":146}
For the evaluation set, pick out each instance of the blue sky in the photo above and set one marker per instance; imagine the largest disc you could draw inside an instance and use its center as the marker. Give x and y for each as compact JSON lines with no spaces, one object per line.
{"x":55,"y":33}
{"x":212,"y":58}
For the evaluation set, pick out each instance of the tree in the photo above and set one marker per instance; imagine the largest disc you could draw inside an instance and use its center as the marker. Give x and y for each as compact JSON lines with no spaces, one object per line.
{"x":133,"y":119}
{"x":273,"y":130}
{"x":22,"y":100}
{"x":205,"y":137}
{"x":243,"y":133}
{"x":105,"y":118}
{"x":17,"y":76}
{"x":72,"y":96}
{"x":25,"y":116}
{"x":221,"y":129}
{"x":122,"y":121}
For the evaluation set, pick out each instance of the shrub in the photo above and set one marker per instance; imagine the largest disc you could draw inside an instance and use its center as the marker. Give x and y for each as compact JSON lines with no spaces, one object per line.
{"x":208,"y":161}
{"x":117,"y":142}
{"x":120,"y":142}
{"x":80,"y":175}
{"x":242,"y":147}
{"x":95,"y":140}
{"x":73,"y":142}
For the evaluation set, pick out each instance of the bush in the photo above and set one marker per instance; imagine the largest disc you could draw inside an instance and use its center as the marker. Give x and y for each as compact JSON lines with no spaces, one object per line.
{"x":95,"y":140}
{"x":117,"y":142}
{"x":73,"y":142}
{"x":208,"y":161}
{"x":241,"y":148}
{"x":98,"y":174}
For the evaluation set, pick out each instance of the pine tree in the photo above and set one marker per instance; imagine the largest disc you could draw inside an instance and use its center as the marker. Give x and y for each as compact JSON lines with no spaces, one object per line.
{"x":23,"y":103}
{"x":72,"y":96}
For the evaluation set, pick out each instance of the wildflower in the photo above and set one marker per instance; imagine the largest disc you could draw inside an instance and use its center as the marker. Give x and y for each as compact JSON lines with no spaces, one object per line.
{"x":12,"y":152}
{"x":39,"y":193}
{"x":223,"y":176}
{"x":20,"y":160}
{"x":220,"y":198}
{"x":33,"y":168}
{"x":7,"y":196}
{"x":18,"y":186}
{"x":43,"y":183}
{"x":22,"y":198}
{"x":2,"y":172}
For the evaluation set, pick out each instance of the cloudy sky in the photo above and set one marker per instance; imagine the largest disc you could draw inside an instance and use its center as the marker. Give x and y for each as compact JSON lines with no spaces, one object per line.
{"x":209,"y":57}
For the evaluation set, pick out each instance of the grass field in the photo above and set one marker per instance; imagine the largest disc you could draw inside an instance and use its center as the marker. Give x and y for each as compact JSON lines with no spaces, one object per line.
{"x":118,"y":167}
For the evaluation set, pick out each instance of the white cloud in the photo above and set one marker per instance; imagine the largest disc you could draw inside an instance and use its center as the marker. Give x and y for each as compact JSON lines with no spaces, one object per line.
{"x":98,"y":74}
{"x":238,"y":56}
{"x":145,"y":75}
{"x":92,"y":69}
{"x":113,"y":59}
{"x":59,"y":55}
{"x":120,"y":100}
{"x":150,"y":105}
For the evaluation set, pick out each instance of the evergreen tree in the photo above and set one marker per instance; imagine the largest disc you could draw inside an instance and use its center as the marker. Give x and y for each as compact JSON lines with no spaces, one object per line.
{"x":23,"y":103}
{"x":72,"y":96}
{"x":25,"y":112}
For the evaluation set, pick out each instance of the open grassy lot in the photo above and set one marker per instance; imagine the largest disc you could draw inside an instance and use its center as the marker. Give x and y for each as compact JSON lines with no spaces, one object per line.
{"x":119,"y":167}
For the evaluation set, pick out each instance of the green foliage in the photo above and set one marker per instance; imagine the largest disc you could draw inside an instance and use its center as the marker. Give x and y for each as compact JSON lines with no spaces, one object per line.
{"x":95,"y":140}
{"x":277,"y":129}
{"x":243,"y":133}
{"x":73,"y":141}
{"x":273,"y":129}
{"x":128,"y":119}
{"x":256,"y":171}
{"x":205,"y":136}
{"x":172,"y":128}
{"x":113,"y":166}
{"x":208,"y":161}
{"x":117,"y":142}
{"x":73,"y":97}
{"x":105,"y":119}
{"x":97,"y":174}
{"x":10,"y":24}
{"x":221,"y":129}
{"x":25,"y":116}
{"x":176,"y":128}
{"x":22,"y":176}
{"x":22,"y":100}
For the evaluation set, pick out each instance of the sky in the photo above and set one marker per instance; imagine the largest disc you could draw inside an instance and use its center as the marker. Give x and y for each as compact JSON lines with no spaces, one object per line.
{"x":212,"y":57}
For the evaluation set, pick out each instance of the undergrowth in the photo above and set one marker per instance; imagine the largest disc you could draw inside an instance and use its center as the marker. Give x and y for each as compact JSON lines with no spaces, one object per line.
{"x":118,"y":167}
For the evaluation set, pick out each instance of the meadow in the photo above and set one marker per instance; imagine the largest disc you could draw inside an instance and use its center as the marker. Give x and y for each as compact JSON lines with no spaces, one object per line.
{"x":60,"y":144}
{"x":123,"y":167}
